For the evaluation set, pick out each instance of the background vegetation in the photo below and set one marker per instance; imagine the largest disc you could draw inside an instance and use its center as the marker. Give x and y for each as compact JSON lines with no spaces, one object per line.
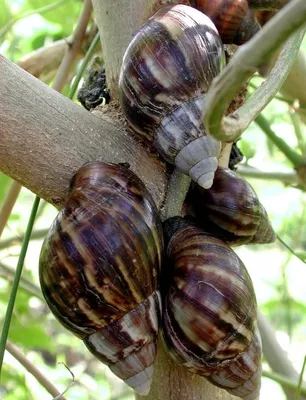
{"x":279,"y":277}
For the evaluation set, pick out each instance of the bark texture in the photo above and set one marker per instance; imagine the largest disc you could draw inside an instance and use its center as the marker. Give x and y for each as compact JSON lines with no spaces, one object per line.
{"x":45,"y":137}
{"x":172,"y":382}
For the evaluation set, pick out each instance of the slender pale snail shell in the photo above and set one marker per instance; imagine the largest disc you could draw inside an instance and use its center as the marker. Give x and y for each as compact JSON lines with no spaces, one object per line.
{"x":166,"y":71}
{"x":210,"y":311}
{"x":99,"y":269}
{"x":230,"y":210}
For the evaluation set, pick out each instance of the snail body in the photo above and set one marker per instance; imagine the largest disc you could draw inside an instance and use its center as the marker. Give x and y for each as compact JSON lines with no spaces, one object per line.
{"x":210,"y":312}
{"x":99,"y":269}
{"x":166,"y":71}
{"x":231,"y":210}
{"x":235,"y":22}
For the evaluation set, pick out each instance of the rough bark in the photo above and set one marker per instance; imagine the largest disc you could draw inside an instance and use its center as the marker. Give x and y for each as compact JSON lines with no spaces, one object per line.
{"x":173,"y":382}
{"x":44,"y":138}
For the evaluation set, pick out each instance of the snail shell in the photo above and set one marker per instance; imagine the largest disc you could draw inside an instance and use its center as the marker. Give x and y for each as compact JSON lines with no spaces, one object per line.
{"x":99,"y":269}
{"x":166,"y":71}
{"x":235,"y":22}
{"x":242,"y":378}
{"x":231,"y":210}
{"x":210,"y":310}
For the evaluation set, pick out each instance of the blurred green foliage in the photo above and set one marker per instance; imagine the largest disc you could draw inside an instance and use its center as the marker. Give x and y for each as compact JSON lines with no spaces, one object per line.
{"x":278,"y":276}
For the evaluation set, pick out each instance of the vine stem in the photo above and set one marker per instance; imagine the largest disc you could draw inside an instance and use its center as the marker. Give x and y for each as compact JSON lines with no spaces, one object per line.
{"x":11,"y":302}
{"x":292,"y":156}
{"x":84,"y":64}
{"x":245,"y":63}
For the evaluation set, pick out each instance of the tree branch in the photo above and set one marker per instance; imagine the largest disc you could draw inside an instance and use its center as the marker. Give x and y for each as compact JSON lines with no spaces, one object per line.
{"x":16,"y":353}
{"x":45,"y":138}
{"x":77,"y":39}
{"x":45,"y":60}
{"x":286,"y":177}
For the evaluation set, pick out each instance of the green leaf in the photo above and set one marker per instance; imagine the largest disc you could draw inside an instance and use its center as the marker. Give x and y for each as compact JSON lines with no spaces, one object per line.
{"x":5,"y":14}
{"x":13,"y":385}
{"x":64,"y":15}
{"x":31,"y":336}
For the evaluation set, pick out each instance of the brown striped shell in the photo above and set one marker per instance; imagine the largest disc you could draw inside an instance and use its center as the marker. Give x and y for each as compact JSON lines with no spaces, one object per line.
{"x":166,"y":72}
{"x":231,"y":210}
{"x":235,"y":22}
{"x":242,"y":377}
{"x":99,"y":269}
{"x":210,"y":310}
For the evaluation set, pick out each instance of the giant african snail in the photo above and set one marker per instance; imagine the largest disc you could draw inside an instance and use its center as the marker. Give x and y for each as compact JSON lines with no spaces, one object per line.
{"x":99,"y":269}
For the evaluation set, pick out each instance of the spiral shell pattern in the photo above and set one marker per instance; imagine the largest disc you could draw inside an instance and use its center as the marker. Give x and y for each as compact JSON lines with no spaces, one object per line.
{"x":210,"y":310}
{"x":231,"y":210}
{"x":242,"y":378}
{"x":99,"y":269}
{"x":166,"y":71}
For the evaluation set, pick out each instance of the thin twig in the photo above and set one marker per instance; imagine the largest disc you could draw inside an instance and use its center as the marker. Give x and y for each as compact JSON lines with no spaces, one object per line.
{"x":74,"y":48}
{"x":8,"y":204}
{"x":283,"y":381}
{"x":297,"y":160}
{"x":46,"y":60}
{"x":85,"y":62}
{"x":299,"y":389}
{"x":290,"y":249}
{"x":25,"y":284}
{"x":11,"y":241}
{"x":26,"y":363}
{"x":243,"y":65}
{"x":286,"y":177}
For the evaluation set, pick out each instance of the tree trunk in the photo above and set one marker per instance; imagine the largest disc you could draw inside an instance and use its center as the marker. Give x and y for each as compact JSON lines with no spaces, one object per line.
{"x":173,"y":382}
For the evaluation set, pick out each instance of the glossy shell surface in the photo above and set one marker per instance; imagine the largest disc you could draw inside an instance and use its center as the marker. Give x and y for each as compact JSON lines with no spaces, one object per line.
{"x":242,"y":378}
{"x":234,"y":20}
{"x":99,"y":268}
{"x":231,"y":210}
{"x":166,"y":71}
{"x":210,"y":311}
